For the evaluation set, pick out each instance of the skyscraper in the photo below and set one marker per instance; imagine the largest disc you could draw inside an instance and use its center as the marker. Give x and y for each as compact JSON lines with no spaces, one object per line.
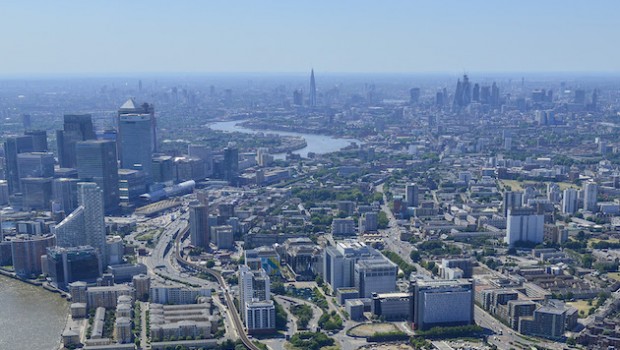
{"x":590,"y":192}
{"x":414,"y":95}
{"x":512,"y":200}
{"x":135,"y":133}
{"x":12,"y":147}
{"x":569,"y":201}
{"x":199,"y":225}
{"x":39,"y":140}
{"x":524,"y":225}
{"x":76,"y":128}
{"x":86,"y":224}
{"x":411,"y":195}
{"x":231,"y":163}
{"x":312,"y":90}
{"x":147,"y":111}
{"x":96,"y":162}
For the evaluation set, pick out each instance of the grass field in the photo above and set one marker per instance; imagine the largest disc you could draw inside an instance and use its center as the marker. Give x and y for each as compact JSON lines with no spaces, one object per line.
{"x":366,"y":330}
{"x":614,"y":275}
{"x":518,"y":185}
{"x":581,"y":305}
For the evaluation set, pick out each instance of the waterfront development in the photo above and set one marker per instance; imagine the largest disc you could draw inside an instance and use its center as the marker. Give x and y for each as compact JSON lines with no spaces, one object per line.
{"x":403,"y":175}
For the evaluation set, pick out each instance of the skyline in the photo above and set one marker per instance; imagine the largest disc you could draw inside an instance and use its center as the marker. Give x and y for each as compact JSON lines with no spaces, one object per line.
{"x":103,"y":38}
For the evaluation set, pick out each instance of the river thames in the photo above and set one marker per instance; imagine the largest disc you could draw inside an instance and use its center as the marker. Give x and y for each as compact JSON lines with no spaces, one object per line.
{"x":319,"y":144}
{"x":30,"y":317}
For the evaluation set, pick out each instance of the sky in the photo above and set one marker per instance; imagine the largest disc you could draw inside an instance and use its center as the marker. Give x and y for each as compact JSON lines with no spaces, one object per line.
{"x":197,"y":36}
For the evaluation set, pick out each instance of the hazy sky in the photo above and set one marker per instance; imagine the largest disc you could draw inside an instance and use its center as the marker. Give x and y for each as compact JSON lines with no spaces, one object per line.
{"x":95,"y":37}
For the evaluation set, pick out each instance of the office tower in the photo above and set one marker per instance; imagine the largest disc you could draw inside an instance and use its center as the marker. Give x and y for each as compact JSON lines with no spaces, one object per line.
{"x":96,"y":162}
{"x":64,"y":194}
{"x":414,"y":95}
{"x":494,"y":95}
{"x":26,"y":252}
{"x":203,"y":153}
{"x":569,"y":201}
{"x":485,"y":95}
{"x":312,"y":90}
{"x":36,"y":193}
{"x":411,"y":195}
{"x":199,"y":226}
{"x":580,"y":96}
{"x":512,"y":200}
{"x":462,"y":95}
{"x":231,"y":163}
{"x":147,"y":111}
{"x":134,"y":139}
{"x":524,"y":225}
{"x":590,"y":192}
{"x":86,"y":224}
{"x":298,"y":97}
{"x":76,"y":128}
{"x":26,"y":121}
{"x":439,"y":303}
{"x":35,"y":164}
{"x":131,"y":185}
{"x":476,"y":93}
{"x":12,"y":147}
{"x":39,"y":140}
{"x":374,"y":276}
{"x":163,"y":169}
{"x":66,"y":265}
{"x":439,"y":99}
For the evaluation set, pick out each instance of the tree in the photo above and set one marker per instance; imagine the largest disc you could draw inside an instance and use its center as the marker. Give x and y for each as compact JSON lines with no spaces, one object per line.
{"x":210,"y":264}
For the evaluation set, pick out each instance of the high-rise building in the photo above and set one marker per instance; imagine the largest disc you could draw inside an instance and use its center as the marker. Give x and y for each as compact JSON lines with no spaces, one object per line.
{"x":96,"y":162}
{"x":231,"y":163}
{"x":298,"y":97}
{"x":476,"y":93}
{"x":86,"y":224}
{"x":411,"y":195}
{"x":199,"y":226}
{"x":524,"y":225}
{"x":76,"y":128}
{"x":312,"y":90}
{"x":135,"y":133}
{"x":39,"y":140}
{"x":590,"y":192}
{"x":27,"y":251}
{"x":131,"y":185}
{"x":64,"y":194}
{"x":148,"y":111}
{"x":512,"y":200}
{"x":35,"y":164}
{"x":439,"y":303}
{"x":258,"y":310}
{"x":376,"y":275}
{"x":12,"y":147}
{"x":36,"y":193}
{"x":494,"y":95}
{"x":569,"y":201}
{"x":66,"y":265}
{"x":414,"y":95}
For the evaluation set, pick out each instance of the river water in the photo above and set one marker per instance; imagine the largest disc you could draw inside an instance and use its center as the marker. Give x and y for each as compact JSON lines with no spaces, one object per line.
{"x":319,"y":144}
{"x":30,"y":317}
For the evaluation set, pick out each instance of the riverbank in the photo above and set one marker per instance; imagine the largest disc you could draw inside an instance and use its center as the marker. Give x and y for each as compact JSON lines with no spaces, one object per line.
{"x":32,"y":317}
{"x":35,"y":283}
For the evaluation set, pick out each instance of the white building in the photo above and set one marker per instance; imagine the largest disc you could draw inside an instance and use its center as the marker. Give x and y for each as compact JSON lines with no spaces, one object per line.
{"x":569,"y":201}
{"x":524,"y":225}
